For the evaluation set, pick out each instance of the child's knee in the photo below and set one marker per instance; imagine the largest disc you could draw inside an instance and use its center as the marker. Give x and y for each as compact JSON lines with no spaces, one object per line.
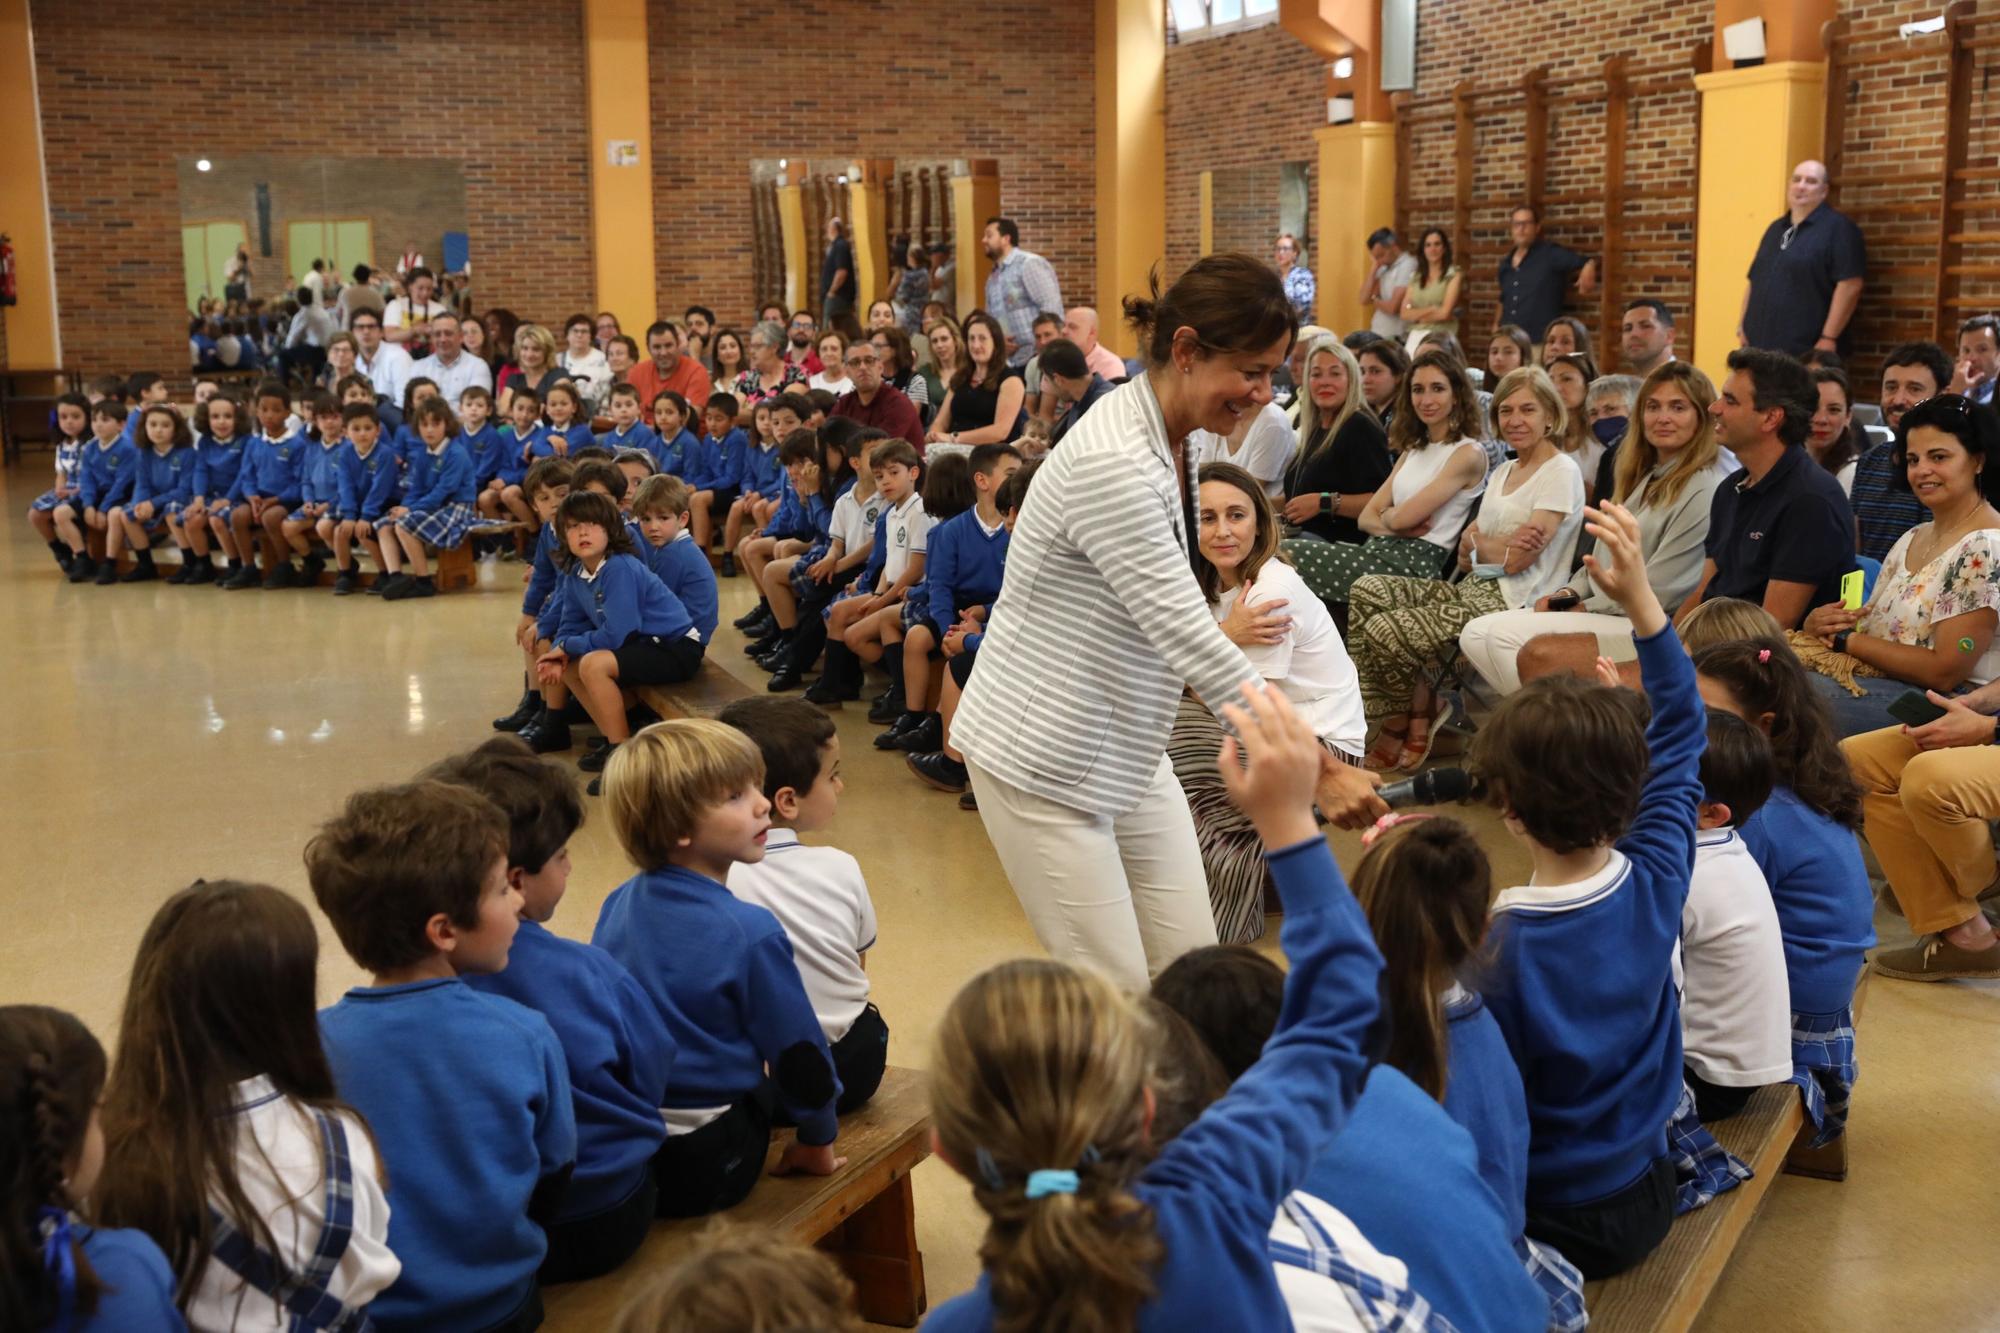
{"x":600,"y":665}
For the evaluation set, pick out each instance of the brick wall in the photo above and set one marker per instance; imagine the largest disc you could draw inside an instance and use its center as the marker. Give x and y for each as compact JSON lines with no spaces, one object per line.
{"x":1005,"y":79}
{"x":123,"y":99}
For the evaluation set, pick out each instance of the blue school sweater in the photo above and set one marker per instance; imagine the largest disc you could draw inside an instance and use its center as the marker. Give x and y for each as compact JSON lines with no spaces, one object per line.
{"x":440,"y":479}
{"x":963,"y":567}
{"x":722,"y":974}
{"x":488,"y":453}
{"x":109,"y":474}
{"x":761,"y":471}
{"x":789,"y":518}
{"x":617,"y":1051}
{"x":721,"y":461}
{"x":684,"y":568}
{"x":319,"y":474}
{"x":270,"y":468}
{"x":1583,"y":985}
{"x":165,"y":478}
{"x":470,"y":1104}
{"x":675,"y":455}
{"x":1409,"y":1178}
{"x":138,"y":1284}
{"x":1819,"y":884}
{"x":364,"y":488}
{"x":133,"y":417}
{"x":516,"y":450}
{"x":641,"y":436}
{"x":1214,"y":1190}
{"x":216,"y":463}
{"x":543,"y":573}
{"x":543,"y":444}
{"x":1483,"y":1093}
{"x":624,"y":598}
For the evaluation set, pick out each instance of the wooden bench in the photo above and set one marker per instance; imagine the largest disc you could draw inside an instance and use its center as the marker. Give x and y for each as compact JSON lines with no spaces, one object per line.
{"x":864,"y":1217}
{"x":453,"y":569}
{"x":712,"y":690}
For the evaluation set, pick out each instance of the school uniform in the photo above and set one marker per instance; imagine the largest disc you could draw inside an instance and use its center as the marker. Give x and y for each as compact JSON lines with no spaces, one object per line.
{"x":270,"y":468}
{"x":1736,"y":1030}
{"x":850,"y":522}
{"x":469,"y":1099}
{"x":821,"y":899}
{"x":641,"y":436}
{"x":722,"y":974}
{"x":674,"y":455}
{"x":440,"y":496}
{"x":1333,"y":1280}
{"x":618,"y":1055}
{"x":110,"y":474}
{"x":364,"y":488}
{"x":790,"y":520}
{"x":517,"y":449}
{"x":684,"y":568}
{"x":1599,"y":1048}
{"x":314,"y":1179}
{"x":720,"y":468}
{"x":906,"y":530}
{"x":624,"y":609}
{"x":69,"y":463}
{"x":870,"y":578}
{"x":576,"y":435}
{"x":137,"y":1283}
{"x":216,"y":465}
{"x":1826,"y":913}
{"x":963,"y":565}
{"x":1214,"y":1190}
{"x":759,"y":470}
{"x":167,"y":480}
{"x":319,"y":478}
{"x":488,"y":454}
{"x":543,"y":574}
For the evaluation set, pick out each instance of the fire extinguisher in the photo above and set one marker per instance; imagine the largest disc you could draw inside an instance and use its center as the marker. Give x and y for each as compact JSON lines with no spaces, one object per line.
{"x":8,"y":294}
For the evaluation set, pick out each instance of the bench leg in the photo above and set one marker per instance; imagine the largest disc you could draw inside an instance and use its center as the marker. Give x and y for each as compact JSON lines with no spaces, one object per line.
{"x":877,"y":1248}
{"x":455,"y":568}
{"x":1826,"y":1162}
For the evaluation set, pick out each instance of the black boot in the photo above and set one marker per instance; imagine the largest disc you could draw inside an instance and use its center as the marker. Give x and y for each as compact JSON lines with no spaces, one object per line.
{"x":143,"y":570}
{"x":347,"y":583}
{"x":524,"y":712}
{"x":203,"y":570}
{"x":312,"y":567}
{"x":107,"y":573}
{"x":243,"y":576}
{"x":595,"y":761}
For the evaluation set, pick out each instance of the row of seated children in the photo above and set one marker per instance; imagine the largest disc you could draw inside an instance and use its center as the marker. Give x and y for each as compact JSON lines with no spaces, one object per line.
{"x":250,"y":1162}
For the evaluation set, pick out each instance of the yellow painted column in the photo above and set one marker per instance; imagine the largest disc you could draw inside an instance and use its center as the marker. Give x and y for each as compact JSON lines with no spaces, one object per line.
{"x":868,"y":233}
{"x":792,"y":226}
{"x":1207,"y":214}
{"x":1756,"y":125}
{"x":1131,"y":67}
{"x":1357,"y":194}
{"x":975,"y":197}
{"x":33,"y":338}
{"x":621,"y":159}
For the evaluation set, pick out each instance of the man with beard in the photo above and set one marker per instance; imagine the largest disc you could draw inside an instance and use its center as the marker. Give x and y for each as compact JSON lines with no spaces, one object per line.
{"x":1021,"y":286}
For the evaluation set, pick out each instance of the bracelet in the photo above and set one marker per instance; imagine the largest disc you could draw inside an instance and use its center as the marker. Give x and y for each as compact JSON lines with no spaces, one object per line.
{"x":1840,"y":641}
{"x":1327,"y":500}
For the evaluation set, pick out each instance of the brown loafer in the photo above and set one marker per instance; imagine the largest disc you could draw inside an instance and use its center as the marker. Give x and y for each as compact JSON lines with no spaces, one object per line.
{"x":1935,"y":958}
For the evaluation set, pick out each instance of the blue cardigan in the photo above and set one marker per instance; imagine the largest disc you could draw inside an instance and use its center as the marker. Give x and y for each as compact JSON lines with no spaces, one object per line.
{"x":625,"y":598}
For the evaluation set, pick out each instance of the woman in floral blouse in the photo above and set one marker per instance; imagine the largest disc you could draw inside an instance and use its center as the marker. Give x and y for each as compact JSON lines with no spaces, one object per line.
{"x":1929,"y":624}
{"x":769,"y":374}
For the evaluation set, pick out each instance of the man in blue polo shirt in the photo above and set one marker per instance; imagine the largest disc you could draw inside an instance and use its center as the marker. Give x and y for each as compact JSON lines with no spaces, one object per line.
{"x":1780,"y":533}
{"x":1534,"y":274}
{"x":1883,"y":511}
{"x":1806,"y":279}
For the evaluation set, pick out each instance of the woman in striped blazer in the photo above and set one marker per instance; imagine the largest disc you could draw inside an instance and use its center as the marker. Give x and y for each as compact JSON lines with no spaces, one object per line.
{"x":1100,"y":623}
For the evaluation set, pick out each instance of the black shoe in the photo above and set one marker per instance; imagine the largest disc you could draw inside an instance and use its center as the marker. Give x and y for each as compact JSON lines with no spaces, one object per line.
{"x":824,"y":692}
{"x":524,"y":712}
{"x":391,"y":588}
{"x":595,"y":761}
{"x":939,"y":770}
{"x":927,"y":737}
{"x":597,"y":743}
{"x":770,"y":639}
{"x":728,"y":569}
{"x":311,"y":568}
{"x":904,"y":724}
{"x":761,"y":611}
{"x":107,"y":574}
{"x":425,"y":586}
{"x":244,"y":577}
{"x":282,"y":575}
{"x":968,"y":801}
{"x":82,"y":569}
{"x":204,"y":571}
{"x":145,"y":571}
{"x":62,"y":554}
{"x":886,"y":706}
{"x":785,"y":678}
{"x":185,"y":574}
{"x":347,"y":583}
{"x":550,"y":736}
{"x":778,"y":659}
{"x":596,"y":787}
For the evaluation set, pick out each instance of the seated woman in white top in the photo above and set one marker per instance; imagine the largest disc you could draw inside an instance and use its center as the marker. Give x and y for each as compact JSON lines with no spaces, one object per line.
{"x":584,"y":364}
{"x":1262,"y":445}
{"x":1515,"y":551}
{"x":1290,"y":638}
{"x":1415,"y":518}
{"x":1666,"y":472}
{"x":1929,"y":624}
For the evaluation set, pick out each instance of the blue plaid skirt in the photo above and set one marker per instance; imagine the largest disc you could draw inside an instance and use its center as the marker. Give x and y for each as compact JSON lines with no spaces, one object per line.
{"x":444,"y":527}
{"x":1559,"y":1281}
{"x":804,"y":586}
{"x":853,"y":589}
{"x":1703,"y":1168}
{"x":219,"y":507}
{"x":1825,"y":1070}
{"x":48,"y":500}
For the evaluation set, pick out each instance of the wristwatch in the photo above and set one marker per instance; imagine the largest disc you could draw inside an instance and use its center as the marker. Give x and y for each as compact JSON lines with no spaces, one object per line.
{"x":1328,"y":501}
{"x":1840,"y":641}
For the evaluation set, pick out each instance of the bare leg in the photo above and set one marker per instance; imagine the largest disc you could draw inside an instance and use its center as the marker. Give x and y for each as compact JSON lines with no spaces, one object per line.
{"x":948,"y":693}
{"x":778,"y":592}
{"x":117,"y":533}
{"x":69,"y":528}
{"x":701,"y":522}
{"x":44,"y":522}
{"x":732,"y":527}
{"x":413,"y":547}
{"x":917,"y":645}
{"x":388,"y":548}
{"x":240,"y":523}
{"x":595,"y":680}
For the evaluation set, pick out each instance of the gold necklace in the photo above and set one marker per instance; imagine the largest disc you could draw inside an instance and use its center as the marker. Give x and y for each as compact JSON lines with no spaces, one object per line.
{"x":1944,"y":543}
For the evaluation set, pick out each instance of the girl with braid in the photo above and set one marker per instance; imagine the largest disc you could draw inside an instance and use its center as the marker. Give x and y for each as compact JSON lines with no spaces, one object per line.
{"x":57,"y":1273}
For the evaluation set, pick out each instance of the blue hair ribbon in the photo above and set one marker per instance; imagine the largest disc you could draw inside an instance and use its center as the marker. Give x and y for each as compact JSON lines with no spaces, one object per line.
{"x":59,"y":1260}
{"x":1051,"y":1182}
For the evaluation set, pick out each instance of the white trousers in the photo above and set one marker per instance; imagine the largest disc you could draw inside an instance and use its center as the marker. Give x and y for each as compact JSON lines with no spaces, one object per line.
{"x":1126,"y":895}
{"x":1492,"y":643}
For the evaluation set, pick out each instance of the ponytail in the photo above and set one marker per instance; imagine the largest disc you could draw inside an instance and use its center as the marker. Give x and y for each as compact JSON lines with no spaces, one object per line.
{"x":1234,"y":302}
{"x":1764,"y":676}
{"x":51,"y":1072}
{"x":1038,"y":1095}
{"x":1425,"y":889}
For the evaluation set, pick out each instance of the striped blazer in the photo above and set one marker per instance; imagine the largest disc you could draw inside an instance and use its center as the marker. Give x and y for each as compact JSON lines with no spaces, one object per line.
{"x":1099,"y":622}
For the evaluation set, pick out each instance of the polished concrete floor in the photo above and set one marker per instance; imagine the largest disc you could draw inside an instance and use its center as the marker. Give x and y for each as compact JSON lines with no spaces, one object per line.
{"x":161,"y":734}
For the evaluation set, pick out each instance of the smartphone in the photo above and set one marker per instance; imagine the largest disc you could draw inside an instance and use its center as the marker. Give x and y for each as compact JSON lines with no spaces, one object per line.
{"x":1566,"y":602}
{"x":1850,"y":589}
{"x":1912,"y":708}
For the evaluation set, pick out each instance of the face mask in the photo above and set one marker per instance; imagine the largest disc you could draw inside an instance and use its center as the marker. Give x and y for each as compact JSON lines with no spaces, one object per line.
{"x":1608,"y":430}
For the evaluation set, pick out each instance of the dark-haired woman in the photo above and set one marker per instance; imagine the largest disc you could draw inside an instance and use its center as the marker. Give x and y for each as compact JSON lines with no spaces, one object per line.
{"x":1100,"y":625}
{"x":1836,"y":441}
{"x":983,"y":403}
{"x":1929,"y":624}
{"x":1430,"y":304}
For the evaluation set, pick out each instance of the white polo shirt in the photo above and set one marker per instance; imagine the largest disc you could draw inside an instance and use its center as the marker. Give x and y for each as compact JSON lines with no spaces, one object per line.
{"x":909,"y":534}
{"x":1736,"y":1006}
{"x":389,"y":372}
{"x":820,"y":898}
{"x":456,"y":378}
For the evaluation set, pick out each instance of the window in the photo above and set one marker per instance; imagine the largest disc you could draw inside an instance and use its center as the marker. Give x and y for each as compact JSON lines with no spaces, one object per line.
{"x":1188,"y":20}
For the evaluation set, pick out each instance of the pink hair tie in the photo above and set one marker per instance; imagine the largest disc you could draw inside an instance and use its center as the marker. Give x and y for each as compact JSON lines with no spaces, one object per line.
{"x":1763,"y":654}
{"x":1389,"y":821}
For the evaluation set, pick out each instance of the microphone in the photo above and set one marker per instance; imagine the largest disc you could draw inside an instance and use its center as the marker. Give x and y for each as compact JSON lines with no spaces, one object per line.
{"x":1434,"y":786}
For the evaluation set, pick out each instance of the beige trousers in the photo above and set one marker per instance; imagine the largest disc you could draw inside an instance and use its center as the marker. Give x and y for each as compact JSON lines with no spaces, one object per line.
{"x":1926,"y":813}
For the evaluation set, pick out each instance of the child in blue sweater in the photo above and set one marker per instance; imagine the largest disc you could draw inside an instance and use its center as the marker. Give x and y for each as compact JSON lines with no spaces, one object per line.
{"x":108,"y":474}
{"x":1803,"y":840}
{"x":673,"y":443}
{"x":805,"y":502}
{"x":618,"y":627}
{"x":319,"y":485}
{"x":660,"y":510}
{"x":267,"y":488}
{"x":164,"y":485}
{"x":547,"y":482}
{"x":218,"y":457}
{"x":686,"y":804}
{"x":364,"y":490}
{"x":483,"y":442}
{"x":72,"y":422}
{"x":568,"y":428}
{"x":613,"y":1039}
{"x":468,"y":1094}
{"x":797,"y":588}
{"x":1598,"y":1046}
{"x":713,"y":479}
{"x":628,"y":428}
{"x":1040,"y":1096}
{"x":760,"y":485}
{"x":522,"y":443}
{"x":59,"y":1274}
{"x":438,"y":510}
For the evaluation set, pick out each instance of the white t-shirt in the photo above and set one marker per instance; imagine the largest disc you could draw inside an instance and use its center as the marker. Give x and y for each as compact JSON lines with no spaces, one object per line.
{"x":852,"y":522}
{"x":400,"y":312}
{"x":1265,"y":453}
{"x":1400,"y":273}
{"x":822,"y":380}
{"x":278,"y":1165}
{"x":1736,"y":1005}
{"x":909,"y":534}
{"x":1307,"y":1233}
{"x":1416,"y":469}
{"x":1556,"y":486}
{"x":821,"y":899}
{"x":1310,"y":664}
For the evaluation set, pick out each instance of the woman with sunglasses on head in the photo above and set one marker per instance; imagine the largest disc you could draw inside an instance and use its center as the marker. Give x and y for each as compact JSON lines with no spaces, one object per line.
{"x":1929,"y":624}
